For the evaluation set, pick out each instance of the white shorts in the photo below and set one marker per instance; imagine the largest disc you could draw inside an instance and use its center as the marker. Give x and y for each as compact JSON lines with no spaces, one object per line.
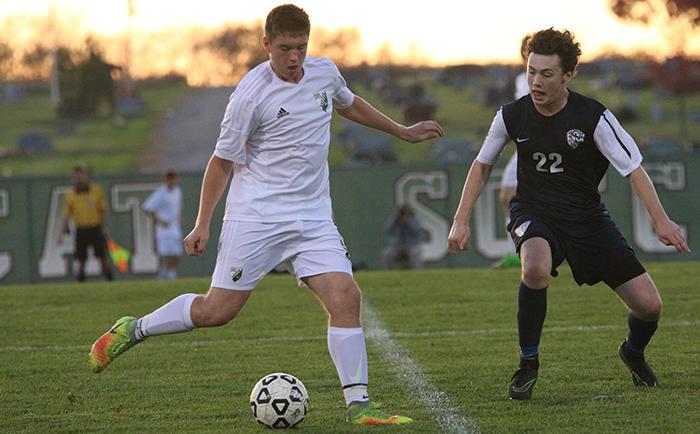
{"x":168,"y":245}
{"x":250,"y":250}
{"x":510,"y":173}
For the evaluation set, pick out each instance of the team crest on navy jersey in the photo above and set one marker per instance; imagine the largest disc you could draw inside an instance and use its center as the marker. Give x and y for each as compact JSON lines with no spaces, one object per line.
{"x":322,"y":100}
{"x":574,"y":138}
{"x":236,"y":273}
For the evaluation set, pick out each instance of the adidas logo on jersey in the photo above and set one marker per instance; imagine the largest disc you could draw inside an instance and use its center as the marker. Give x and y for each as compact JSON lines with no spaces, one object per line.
{"x":282,"y":113}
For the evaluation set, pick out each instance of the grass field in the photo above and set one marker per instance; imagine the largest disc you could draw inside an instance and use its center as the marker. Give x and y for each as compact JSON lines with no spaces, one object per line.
{"x":97,"y":142}
{"x":109,"y":149}
{"x":457,"y":326}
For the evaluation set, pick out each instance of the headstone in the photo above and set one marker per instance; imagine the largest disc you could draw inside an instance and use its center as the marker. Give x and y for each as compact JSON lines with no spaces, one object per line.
{"x":34,"y":143}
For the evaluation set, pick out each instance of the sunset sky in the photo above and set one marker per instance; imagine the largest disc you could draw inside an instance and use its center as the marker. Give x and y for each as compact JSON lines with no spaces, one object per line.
{"x":437,"y":31}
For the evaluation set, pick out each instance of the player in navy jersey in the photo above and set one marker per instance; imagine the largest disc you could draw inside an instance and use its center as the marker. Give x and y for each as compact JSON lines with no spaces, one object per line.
{"x":274,"y":144}
{"x":565,"y":142}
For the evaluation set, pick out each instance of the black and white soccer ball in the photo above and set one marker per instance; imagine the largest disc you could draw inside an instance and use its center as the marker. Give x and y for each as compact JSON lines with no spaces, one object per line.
{"x":279,"y":400}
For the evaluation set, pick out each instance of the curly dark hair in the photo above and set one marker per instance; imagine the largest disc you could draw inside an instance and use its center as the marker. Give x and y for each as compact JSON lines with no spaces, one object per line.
{"x":523,"y":46}
{"x":561,"y":43}
{"x":287,"y":19}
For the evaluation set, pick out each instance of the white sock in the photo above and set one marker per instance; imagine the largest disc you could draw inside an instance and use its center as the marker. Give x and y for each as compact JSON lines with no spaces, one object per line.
{"x":347,"y":348}
{"x":172,"y":317}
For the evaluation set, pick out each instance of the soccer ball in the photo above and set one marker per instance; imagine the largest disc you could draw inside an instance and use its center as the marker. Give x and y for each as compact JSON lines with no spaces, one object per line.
{"x":279,"y":401}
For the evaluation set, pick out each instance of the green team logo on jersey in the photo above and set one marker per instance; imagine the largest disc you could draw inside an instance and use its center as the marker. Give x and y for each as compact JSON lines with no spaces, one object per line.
{"x":322,"y":100}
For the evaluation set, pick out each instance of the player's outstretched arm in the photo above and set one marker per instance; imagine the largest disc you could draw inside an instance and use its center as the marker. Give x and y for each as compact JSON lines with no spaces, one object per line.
{"x":364,"y":113}
{"x":667,"y":231}
{"x":458,"y":239}
{"x":213,"y":185}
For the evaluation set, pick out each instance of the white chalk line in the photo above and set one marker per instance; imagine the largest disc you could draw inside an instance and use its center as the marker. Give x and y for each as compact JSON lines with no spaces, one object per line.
{"x":411,"y":375}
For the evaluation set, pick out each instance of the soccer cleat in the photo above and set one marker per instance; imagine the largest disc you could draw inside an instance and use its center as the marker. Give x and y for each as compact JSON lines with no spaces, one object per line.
{"x":368,"y":413}
{"x":642,"y":374}
{"x":508,"y":261}
{"x":524,"y":379}
{"x":112,"y":344}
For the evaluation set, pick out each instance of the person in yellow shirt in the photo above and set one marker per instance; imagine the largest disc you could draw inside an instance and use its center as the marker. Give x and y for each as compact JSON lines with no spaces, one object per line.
{"x":86,"y":207}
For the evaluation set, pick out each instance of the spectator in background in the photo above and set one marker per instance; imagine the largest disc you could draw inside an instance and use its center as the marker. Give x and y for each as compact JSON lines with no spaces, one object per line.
{"x":509,"y":180}
{"x":85,"y":206}
{"x":164,"y":206}
{"x":404,"y":249}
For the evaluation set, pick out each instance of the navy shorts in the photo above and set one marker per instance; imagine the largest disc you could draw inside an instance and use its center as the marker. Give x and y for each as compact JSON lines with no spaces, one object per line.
{"x":595,"y":248}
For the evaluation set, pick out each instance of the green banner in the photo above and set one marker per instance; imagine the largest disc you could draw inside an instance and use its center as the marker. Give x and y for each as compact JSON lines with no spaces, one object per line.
{"x":363,"y":199}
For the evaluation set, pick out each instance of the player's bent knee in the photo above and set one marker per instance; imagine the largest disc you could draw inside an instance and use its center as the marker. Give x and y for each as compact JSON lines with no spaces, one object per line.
{"x":651,"y":311}
{"x":535,"y":275}
{"x":346,"y":301}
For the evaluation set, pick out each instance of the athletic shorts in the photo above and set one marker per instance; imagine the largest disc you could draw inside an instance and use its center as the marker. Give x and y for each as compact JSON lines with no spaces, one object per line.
{"x":595,"y":248}
{"x":510,"y":173}
{"x":250,"y":250}
{"x":85,"y":237}
{"x":168,"y":245}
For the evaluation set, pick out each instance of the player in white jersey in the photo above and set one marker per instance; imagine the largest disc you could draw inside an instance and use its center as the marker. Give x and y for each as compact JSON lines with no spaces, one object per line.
{"x":164,"y":206}
{"x":275,"y":137}
{"x":509,"y":180}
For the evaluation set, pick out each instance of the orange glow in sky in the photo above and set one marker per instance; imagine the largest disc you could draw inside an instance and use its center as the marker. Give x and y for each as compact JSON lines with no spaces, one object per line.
{"x":436,"y":32}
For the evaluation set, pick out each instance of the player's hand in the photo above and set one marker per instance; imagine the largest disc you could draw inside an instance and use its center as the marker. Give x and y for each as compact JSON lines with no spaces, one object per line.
{"x":458,"y":239}
{"x":669,"y":233}
{"x":421,"y":131}
{"x":196,"y":241}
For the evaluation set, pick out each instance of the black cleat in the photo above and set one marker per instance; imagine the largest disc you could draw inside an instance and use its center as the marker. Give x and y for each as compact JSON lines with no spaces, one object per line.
{"x":642,"y":374}
{"x":524,"y":379}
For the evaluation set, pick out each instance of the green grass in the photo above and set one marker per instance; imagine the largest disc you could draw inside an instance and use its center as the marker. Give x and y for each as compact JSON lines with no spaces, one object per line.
{"x":644,"y":125}
{"x":97,"y":142}
{"x":458,"y":325}
{"x":110,"y":149}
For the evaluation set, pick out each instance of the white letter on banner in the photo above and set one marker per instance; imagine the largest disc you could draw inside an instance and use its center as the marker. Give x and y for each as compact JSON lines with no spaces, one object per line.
{"x":487,"y":220}
{"x":5,"y":258}
{"x":670,"y":175}
{"x":434,"y":184}
{"x":128,"y":198}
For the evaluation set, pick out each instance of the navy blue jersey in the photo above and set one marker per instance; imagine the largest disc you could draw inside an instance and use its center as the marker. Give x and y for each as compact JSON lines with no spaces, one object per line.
{"x":561,"y":158}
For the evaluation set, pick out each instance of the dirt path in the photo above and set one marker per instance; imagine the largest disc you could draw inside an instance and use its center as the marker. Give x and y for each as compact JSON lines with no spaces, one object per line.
{"x":186,"y":137}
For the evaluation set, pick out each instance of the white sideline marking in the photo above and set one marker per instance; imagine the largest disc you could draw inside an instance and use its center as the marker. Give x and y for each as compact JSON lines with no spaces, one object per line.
{"x":412,"y":376}
{"x":431,"y":334}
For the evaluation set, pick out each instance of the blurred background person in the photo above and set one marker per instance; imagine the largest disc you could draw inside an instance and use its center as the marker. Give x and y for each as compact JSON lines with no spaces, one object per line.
{"x":164,"y":206}
{"x":405,"y":234}
{"x":509,"y":180}
{"x":85,"y":206}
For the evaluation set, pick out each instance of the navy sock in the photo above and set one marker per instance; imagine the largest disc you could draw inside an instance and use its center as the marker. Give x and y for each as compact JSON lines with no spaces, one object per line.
{"x":532,"y":309}
{"x":640,"y":333}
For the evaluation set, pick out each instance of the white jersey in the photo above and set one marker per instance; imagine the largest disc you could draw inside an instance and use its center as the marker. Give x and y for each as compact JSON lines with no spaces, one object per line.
{"x":166,"y":204}
{"x":277,"y":133}
{"x":521,"y":86}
